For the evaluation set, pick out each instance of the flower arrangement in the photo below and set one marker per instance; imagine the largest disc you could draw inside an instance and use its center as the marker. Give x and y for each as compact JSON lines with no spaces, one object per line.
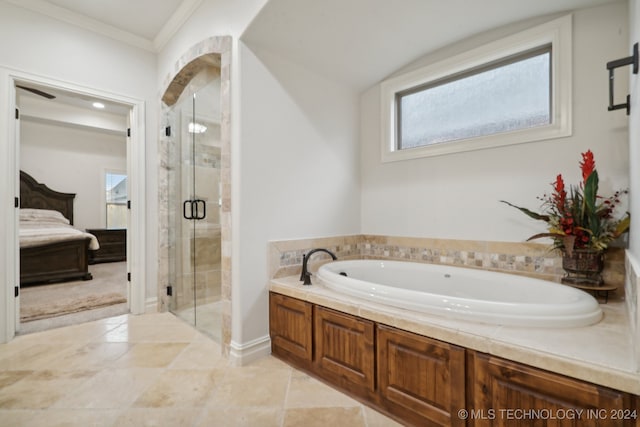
{"x":580,"y":218}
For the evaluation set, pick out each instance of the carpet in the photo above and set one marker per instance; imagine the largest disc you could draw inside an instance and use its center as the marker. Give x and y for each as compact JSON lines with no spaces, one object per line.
{"x":108,"y":287}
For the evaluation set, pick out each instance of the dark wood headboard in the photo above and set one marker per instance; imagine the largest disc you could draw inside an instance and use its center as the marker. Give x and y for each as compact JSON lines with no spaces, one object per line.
{"x":38,"y":196}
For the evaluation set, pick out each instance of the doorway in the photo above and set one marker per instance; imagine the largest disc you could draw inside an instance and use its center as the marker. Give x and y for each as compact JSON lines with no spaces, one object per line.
{"x":77,"y":145}
{"x":194,"y":201}
{"x":10,"y":79}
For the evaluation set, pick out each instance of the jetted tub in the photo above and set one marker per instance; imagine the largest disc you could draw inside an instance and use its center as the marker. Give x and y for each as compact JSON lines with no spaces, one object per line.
{"x":463,"y":293}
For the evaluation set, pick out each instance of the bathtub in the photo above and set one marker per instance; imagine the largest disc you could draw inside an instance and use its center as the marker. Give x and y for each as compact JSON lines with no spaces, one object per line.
{"x":463,"y":293}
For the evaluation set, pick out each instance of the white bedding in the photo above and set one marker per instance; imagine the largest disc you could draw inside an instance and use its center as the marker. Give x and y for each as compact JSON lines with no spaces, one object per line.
{"x":38,"y":227}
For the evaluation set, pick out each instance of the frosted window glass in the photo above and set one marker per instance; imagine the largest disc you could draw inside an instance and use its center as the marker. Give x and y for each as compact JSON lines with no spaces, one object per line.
{"x":507,"y":98}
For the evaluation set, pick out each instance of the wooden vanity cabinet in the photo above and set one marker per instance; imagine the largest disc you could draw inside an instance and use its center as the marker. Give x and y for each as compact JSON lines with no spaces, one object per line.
{"x":425,"y":382}
{"x":505,"y":393}
{"x":344,"y":350}
{"x":420,"y":379}
{"x":291,"y":329}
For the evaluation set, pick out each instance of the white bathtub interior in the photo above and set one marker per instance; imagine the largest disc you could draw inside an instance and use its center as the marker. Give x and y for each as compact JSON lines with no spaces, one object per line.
{"x":463,"y":293}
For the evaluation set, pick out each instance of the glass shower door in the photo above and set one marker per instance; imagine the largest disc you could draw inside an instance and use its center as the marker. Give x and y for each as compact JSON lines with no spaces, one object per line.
{"x":194,"y":210}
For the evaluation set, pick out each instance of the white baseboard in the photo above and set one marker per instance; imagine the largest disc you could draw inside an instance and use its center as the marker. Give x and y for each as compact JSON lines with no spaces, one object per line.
{"x":242,"y":354}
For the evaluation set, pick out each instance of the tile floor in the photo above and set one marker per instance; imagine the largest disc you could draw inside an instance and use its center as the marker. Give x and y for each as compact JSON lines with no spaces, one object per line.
{"x":155,"y":370}
{"x":208,"y":316}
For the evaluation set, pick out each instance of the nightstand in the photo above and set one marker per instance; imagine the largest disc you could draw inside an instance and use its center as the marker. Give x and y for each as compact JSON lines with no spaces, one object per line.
{"x":113,"y":245}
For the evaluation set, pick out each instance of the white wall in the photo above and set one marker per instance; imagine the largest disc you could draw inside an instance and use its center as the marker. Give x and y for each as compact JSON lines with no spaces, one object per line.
{"x":294,"y":155}
{"x":36,"y":44}
{"x":41,"y":45}
{"x":457,"y":196}
{"x":634,"y":138}
{"x":632,"y":285}
{"x":72,"y":160}
{"x":299,"y":170}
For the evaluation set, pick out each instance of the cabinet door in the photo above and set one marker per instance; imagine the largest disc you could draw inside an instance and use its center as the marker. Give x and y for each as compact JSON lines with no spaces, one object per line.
{"x":344,"y":351}
{"x":421,"y":379}
{"x":290,"y":327}
{"x":506,"y":393}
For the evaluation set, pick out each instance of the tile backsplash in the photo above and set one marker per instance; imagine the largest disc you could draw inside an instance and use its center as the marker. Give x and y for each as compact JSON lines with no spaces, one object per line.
{"x":530,"y":259}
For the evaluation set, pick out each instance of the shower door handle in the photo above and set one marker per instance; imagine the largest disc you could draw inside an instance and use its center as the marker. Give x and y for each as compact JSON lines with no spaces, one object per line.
{"x":196,"y":204}
{"x":197,"y":209}
{"x":184,"y":209}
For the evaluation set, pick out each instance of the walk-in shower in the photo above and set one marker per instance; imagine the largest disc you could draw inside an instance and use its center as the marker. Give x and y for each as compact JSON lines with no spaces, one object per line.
{"x":194,"y":202}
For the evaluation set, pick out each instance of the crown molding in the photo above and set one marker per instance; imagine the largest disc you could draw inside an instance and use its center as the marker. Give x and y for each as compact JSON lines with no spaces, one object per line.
{"x":171,"y":27}
{"x":82,"y":21}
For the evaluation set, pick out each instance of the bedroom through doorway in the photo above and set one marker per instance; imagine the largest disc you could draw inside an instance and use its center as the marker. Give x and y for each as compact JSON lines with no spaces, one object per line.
{"x":75,"y":145}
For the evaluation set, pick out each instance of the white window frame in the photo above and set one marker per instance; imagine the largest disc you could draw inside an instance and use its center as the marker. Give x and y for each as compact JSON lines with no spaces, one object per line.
{"x":558,"y":33}
{"x":104,"y":192}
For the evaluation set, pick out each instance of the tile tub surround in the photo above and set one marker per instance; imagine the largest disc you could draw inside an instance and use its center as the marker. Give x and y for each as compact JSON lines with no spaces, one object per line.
{"x":601,"y":353}
{"x":530,"y":259}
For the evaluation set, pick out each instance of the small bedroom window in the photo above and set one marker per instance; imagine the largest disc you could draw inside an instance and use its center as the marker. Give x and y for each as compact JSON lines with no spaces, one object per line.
{"x":116,"y":197}
{"x":511,"y":91}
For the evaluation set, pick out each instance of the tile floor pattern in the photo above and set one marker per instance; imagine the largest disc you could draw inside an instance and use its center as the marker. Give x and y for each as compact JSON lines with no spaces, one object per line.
{"x":155,"y":370}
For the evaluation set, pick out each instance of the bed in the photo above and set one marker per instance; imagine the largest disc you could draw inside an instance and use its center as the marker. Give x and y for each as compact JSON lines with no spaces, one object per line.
{"x":51,"y":249}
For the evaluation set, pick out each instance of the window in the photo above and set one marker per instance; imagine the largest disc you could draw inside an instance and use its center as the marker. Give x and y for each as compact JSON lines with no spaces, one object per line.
{"x":511,"y":95}
{"x":116,"y":198}
{"x":511,"y":91}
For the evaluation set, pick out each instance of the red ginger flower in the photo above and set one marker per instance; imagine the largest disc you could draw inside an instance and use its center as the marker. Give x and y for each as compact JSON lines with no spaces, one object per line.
{"x":588,"y":165}
{"x":560,"y":193}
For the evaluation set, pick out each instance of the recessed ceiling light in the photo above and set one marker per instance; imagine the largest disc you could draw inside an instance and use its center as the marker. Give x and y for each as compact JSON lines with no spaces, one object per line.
{"x":99,"y":105}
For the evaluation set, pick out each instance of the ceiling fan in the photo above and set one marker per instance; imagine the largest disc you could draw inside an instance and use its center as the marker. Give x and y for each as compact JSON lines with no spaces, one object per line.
{"x":36,"y":91}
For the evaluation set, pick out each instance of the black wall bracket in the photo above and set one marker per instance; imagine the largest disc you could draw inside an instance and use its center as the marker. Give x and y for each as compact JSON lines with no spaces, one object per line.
{"x":612,"y":65}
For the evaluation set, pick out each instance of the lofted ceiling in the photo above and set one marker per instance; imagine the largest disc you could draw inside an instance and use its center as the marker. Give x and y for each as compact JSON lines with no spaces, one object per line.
{"x":147,"y":24}
{"x":361,"y":42}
